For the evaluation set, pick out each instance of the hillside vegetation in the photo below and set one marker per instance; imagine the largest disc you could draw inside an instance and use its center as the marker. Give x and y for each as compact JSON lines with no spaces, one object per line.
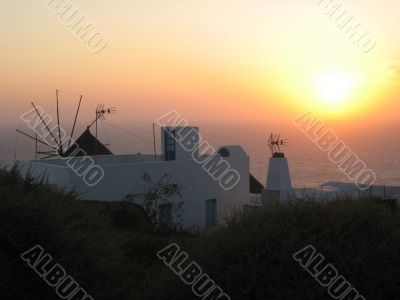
{"x":110,"y":249}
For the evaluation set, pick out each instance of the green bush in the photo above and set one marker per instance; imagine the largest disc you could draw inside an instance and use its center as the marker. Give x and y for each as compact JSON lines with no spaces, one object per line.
{"x":251,"y":257}
{"x":87,"y":239}
{"x":110,"y":248}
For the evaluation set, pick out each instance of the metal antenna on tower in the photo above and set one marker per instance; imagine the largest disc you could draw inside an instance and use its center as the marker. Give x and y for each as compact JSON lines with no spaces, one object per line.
{"x":101,"y":112}
{"x":275,"y":142}
{"x":100,"y":115}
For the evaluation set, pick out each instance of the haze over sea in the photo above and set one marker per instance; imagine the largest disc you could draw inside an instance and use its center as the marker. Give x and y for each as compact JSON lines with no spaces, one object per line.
{"x":379,"y":148}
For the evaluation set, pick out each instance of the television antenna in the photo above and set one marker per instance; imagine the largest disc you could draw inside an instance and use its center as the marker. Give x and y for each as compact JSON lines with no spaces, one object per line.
{"x":101,"y":113}
{"x":275,"y":142}
{"x":56,"y":144}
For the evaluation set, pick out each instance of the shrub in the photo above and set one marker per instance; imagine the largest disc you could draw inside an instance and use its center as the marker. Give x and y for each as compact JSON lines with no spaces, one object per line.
{"x":251,"y":257}
{"x":82,"y":237}
{"x":110,"y":248}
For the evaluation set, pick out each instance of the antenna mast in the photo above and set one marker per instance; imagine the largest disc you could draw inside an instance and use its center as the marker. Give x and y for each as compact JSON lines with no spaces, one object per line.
{"x":100,"y":115}
{"x":100,"y":112}
{"x":274,"y":143}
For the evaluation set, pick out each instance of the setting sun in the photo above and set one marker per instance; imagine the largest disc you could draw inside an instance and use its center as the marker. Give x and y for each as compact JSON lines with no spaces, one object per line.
{"x":188,"y":149}
{"x":334,"y":89}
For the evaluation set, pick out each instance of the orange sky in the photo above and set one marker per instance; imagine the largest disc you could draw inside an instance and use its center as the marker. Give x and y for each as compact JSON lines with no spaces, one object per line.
{"x":211,"y":60}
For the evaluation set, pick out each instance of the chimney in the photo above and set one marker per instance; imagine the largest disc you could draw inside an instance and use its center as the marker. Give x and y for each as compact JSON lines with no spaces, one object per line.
{"x":279,"y":185}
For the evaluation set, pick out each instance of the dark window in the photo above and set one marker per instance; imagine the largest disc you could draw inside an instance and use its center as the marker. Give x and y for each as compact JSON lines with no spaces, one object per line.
{"x":169,"y":144}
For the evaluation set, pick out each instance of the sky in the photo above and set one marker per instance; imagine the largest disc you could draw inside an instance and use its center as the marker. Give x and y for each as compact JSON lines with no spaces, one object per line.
{"x":211,"y":60}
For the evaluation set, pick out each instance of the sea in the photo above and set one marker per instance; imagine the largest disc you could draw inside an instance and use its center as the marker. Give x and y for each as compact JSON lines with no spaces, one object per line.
{"x":378,"y":148}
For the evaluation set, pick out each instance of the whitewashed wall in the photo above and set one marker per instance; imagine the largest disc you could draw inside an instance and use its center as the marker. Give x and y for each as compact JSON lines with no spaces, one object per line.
{"x":121,"y":179}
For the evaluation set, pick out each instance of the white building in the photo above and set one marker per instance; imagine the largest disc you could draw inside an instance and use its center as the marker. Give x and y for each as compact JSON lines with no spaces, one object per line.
{"x":214,"y":185}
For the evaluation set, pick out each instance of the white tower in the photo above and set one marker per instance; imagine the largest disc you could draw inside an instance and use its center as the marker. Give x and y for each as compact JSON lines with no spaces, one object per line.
{"x":278,"y":178}
{"x":279,"y":185}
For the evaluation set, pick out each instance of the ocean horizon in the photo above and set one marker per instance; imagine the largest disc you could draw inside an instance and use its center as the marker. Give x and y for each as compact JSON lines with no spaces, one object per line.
{"x":309,"y":166}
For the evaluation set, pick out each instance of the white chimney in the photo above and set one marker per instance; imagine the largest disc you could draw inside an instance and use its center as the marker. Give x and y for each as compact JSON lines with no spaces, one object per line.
{"x":279,"y":185}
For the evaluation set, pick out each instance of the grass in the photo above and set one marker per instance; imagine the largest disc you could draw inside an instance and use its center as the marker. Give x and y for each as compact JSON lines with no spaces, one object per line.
{"x":109,"y":248}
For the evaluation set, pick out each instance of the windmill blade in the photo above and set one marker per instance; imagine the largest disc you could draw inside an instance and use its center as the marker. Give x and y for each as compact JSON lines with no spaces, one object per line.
{"x":35,"y":139}
{"x":58,"y":123}
{"x":45,"y":124}
{"x":76,"y":117}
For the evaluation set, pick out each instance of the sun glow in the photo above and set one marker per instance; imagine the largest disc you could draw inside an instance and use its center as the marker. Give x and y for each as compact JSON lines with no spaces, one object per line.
{"x":334,"y":89}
